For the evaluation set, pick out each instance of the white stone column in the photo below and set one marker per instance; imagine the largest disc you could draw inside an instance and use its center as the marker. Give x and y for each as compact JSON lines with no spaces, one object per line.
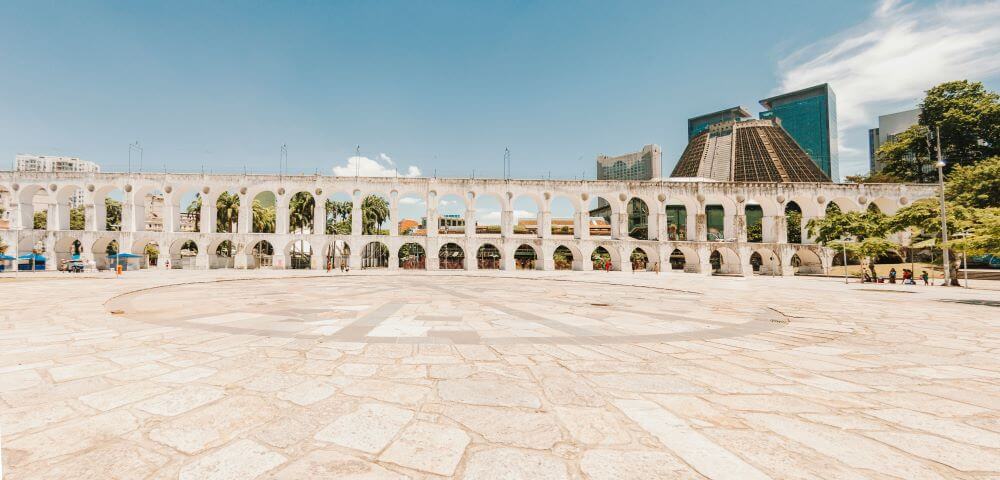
{"x":544,"y":224}
{"x":619,"y":225}
{"x":393,"y":223}
{"x":245,"y":220}
{"x":52,"y":218}
{"x":744,"y":251}
{"x":470,"y":224}
{"x":700,"y":227}
{"x":769,"y":228}
{"x":281,"y":220}
{"x":658,"y":225}
{"x":208,"y":212}
{"x":506,"y":223}
{"x":739,"y":225}
{"x":581,"y":225}
{"x":171,"y":216}
{"x":356,"y":223}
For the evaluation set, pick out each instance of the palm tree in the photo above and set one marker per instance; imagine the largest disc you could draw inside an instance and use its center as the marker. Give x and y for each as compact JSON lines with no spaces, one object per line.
{"x":228,"y":212}
{"x":338,"y":217}
{"x":300,"y":211}
{"x":264,"y":218}
{"x":193,"y":210}
{"x":374,"y":212}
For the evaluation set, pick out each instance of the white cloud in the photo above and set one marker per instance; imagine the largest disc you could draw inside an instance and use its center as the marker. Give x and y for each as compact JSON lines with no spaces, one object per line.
{"x":886,"y":63}
{"x":366,"y":167}
{"x":411,"y":201}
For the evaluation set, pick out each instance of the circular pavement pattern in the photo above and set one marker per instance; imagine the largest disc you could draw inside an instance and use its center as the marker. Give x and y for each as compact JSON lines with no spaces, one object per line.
{"x":445,"y":309}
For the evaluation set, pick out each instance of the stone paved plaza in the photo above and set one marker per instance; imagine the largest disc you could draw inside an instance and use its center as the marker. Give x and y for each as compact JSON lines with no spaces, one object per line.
{"x":543,"y":375}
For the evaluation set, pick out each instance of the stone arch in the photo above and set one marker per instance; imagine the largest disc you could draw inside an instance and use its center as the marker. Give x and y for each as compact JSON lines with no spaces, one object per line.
{"x":67,"y":248}
{"x":70,"y":205}
{"x":637,"y":211}
{"x":301,"y":212}
{"x":225,"y":210}
{"x":298,"y":255}
{"x":685,"y":259}
{"x":676,"y":227}
{"x":35,"y":199}
{"x":451,"y":214}
{"x":793,"y":222}
{"x":844,"y":203}
{"x":885,"y":205}
{"x":725,"y":261}
{"x":562,"y":215}
{"x":806,"y":261}
{"x":640,"y":260}
{"x":412,"y":212}
{"x":339,"y":213}
{"x":601,"y":212}
{"x":488,"y":257}
{"x":601,"y":256}
{"x":184,"y":253}
{"x":151,"y":251}
{"x":765,"y":261}
{"x":412,"y":256}
{"x":526,"y":209}
{"x":451,"y":256}
{"x":567,"y":257}
{"x":263,"y":212}
{"x":222,"y":254}
{"x":489,"y":209}
{"x":374,"y":255}
{"x":260,"y":253}
{"x":753,"y":213}
{"x":526,"y":258}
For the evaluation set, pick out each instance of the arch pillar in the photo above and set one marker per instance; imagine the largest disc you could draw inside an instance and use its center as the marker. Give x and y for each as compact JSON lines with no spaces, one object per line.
{"x":544,"y":224}
{"x":51,"y":260}
{"x":581,"y":225}
{"x":701,"y":226}
{"x":393,"y":257}
{"x":51,"y":219}
{"x":208,"y":214}
{"x":739,"y":223}
{"x":470,"y":225}
{"x":506,"y":222}
{"x":704,"y":259}
{"x":393,"y":225}
{"x":281,"y":220}
{"x":432,"y":224}
{"x":244,"y":221}
{"x":773,"y":229}
{"x":660,"y":222}
{"x":548,"y":261}
{"x":744,"y":252}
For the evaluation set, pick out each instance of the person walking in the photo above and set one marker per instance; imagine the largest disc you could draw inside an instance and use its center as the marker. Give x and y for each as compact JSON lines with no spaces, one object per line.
{"x":925,"y":277}
{"x":607,"y":266}
{"x":892,"y":275}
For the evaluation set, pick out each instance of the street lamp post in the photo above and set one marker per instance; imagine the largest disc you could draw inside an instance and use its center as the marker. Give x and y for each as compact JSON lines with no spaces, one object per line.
{"x":945,"y":258}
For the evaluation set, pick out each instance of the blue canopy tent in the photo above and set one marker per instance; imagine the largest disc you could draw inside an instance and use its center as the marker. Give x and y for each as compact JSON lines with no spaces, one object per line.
{"x":123,"y":259}
{"x":32,"y":261}
{"x":4,"y":261}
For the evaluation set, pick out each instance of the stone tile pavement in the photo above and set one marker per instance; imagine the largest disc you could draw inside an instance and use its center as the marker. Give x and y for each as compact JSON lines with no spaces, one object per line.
{"x":537,"y":375}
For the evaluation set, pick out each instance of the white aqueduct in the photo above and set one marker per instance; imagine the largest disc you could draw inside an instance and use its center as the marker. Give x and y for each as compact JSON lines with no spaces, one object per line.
{"x":23,"y":192}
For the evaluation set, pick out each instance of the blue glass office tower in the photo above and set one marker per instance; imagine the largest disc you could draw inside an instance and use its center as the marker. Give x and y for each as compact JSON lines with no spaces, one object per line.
{"x":810,"y":117}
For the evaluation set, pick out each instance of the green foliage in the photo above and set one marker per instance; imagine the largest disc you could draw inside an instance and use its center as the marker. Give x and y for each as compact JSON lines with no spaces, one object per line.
{"x":40,"y":220}
{"x":301,"y":209}
{"x":876,"y":177}
{"x":908,"y":157}
{"x":837,"y":225}
{"x":77,"y":218}
{"x":194,"y":210}
{"x":338,"y":217}
{"x":925,"y":216}
{"x":113,"y":214}
{"x":264,"y":218}
{"x":112,"y":247}
{"x":374,"y":212}
{"x":976,"y":186}
{"x":982,"y":237}
{"x":969,"y":118}
{"x":152,"y":251}
{"x":793,"y":224}
{"x":227,"y":212}
{"x":755,"y":233}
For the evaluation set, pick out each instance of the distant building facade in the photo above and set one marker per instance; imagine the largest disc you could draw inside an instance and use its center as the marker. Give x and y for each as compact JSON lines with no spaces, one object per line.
{"x":888,"y":127}
{"x":45,"y":163}
{"x":701,"y":123}
{"x":641,"y":165}
{"x":810,"y":117}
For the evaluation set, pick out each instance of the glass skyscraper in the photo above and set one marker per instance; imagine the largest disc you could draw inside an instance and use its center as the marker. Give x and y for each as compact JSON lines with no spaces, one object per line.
{"x":701,"y":123}
{"x":810,"y":117}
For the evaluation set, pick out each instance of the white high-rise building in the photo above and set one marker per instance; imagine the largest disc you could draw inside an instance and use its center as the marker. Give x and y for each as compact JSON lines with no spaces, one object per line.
{"x":45,"y":163}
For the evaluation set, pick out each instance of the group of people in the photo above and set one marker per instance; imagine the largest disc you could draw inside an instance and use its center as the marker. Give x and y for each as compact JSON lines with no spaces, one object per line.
{"x":907,"y":277}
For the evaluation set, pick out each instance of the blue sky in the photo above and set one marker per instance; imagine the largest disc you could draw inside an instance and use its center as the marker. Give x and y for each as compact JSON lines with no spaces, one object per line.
{"x":444,"y":87}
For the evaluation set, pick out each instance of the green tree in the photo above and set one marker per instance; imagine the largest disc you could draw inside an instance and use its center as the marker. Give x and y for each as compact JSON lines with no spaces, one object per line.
{"x":113,"y":214}
{"x":969,"y":118}
{"x":194,"y":210}
{"x":227,"y":212}
{"x":868,"y":230}
{"x":301,"y":208}
{"x":793,"y":222}
{"x":982,"y":236}
{"x":77,"y":218}
{"x":264,"y":218}
{"x":374,"y":212}
{"x":908,"y":157}
{"x":40,"y":220}
{"x":152,"y":252}
{"x":338,"y":217}
{"x":925,"y":216}
{"x":976,"y":186}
